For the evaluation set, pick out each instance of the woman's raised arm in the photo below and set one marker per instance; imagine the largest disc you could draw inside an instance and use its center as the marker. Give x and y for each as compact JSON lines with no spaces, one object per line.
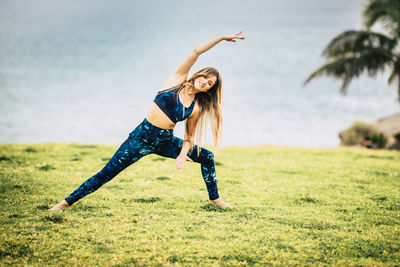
{"x":181,"y":73}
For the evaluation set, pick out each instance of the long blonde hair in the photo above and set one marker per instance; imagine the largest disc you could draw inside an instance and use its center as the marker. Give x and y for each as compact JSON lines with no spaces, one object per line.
{"x":210,"y":104}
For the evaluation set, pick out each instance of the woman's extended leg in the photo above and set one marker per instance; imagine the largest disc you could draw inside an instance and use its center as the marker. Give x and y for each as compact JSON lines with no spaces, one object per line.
{"x":129,"y":152}
{"x":205,"y":158}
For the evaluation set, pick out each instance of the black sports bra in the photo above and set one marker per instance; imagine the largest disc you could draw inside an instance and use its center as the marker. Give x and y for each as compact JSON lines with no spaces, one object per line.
{"x":168,"y":101}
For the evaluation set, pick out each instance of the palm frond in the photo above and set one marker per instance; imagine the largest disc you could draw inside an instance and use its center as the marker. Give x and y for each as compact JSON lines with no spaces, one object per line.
{"x":336,"y":69}
{"x":392,"y":76}
{"x":395,"y":72}
{"x":353,"y":42}
{"x":340,"y":69}
{"x":374,"y":60}
{"x":386,"y":12}
{"x":353,"y":65}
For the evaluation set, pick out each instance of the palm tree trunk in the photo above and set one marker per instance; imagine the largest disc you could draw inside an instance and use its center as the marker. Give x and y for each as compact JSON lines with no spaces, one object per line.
{"x":398,"y":88}
{"x":397,"y":71}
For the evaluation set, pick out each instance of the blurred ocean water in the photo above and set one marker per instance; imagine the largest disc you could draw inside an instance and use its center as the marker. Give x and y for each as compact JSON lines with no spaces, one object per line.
{"x":87,"y":71}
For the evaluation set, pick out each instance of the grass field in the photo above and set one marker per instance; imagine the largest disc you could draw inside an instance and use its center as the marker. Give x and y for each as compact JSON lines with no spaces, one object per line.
{"x":293,"y":206}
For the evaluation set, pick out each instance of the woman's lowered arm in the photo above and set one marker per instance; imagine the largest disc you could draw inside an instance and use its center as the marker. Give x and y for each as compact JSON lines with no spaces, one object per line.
{"x":188,"y":141}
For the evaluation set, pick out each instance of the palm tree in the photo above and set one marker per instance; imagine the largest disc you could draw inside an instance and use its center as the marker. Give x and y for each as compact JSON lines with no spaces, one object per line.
{"x":352,"y":52}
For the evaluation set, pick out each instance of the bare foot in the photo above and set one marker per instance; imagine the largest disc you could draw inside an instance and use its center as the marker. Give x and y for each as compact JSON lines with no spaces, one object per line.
{"x":61,"y":206}
{"x":220,"y":203}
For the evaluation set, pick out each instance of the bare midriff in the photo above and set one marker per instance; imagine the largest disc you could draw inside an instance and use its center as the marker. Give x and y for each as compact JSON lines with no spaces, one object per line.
{"x":158,"y":118}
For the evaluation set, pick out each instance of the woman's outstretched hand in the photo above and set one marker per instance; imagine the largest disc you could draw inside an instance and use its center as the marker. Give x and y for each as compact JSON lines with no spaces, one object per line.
{"x":232,"y":38}
{"x":180,"y":161}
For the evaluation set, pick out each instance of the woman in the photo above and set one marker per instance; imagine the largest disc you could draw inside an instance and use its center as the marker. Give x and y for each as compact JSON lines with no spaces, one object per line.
{"x":197,"y":100}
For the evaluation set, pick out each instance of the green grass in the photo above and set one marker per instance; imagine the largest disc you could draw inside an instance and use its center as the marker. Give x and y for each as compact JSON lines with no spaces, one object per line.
{"x":293,"y":206}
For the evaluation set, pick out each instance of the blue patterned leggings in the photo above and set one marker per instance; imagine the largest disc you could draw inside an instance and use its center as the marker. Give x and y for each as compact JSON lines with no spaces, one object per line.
{"x":144,"y":140}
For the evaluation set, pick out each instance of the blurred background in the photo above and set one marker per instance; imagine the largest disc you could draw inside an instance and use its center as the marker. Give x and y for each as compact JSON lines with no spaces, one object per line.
{"x":87,"y":71}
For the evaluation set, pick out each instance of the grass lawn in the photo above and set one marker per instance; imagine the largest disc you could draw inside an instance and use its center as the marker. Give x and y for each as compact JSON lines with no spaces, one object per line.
{"x":293,"y":206}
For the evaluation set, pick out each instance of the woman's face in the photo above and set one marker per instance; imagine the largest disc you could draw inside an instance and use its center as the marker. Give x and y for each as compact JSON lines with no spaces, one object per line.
{"x":203,"y":84}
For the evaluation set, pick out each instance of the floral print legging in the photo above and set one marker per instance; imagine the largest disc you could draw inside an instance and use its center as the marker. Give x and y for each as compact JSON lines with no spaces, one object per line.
{"x":144,"y":140}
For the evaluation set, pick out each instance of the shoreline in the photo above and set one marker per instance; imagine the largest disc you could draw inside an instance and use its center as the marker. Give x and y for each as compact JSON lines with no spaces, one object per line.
{"x":209,"y":147}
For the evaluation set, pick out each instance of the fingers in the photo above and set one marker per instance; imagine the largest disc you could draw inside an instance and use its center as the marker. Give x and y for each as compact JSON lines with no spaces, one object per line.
{"x":236,"y":36}
{"x":181,"y":162}
{"x":179,"y":165}
{"x":239,"y":33}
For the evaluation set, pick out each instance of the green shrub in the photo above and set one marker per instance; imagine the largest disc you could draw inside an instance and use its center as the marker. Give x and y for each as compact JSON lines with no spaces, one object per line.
{"x":356,"y":133}
{"x":379,"y":139}
{"x":397,"y":137}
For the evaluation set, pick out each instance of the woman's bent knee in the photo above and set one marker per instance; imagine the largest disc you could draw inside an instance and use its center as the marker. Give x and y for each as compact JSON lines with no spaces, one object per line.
{"x":208,"y":157}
